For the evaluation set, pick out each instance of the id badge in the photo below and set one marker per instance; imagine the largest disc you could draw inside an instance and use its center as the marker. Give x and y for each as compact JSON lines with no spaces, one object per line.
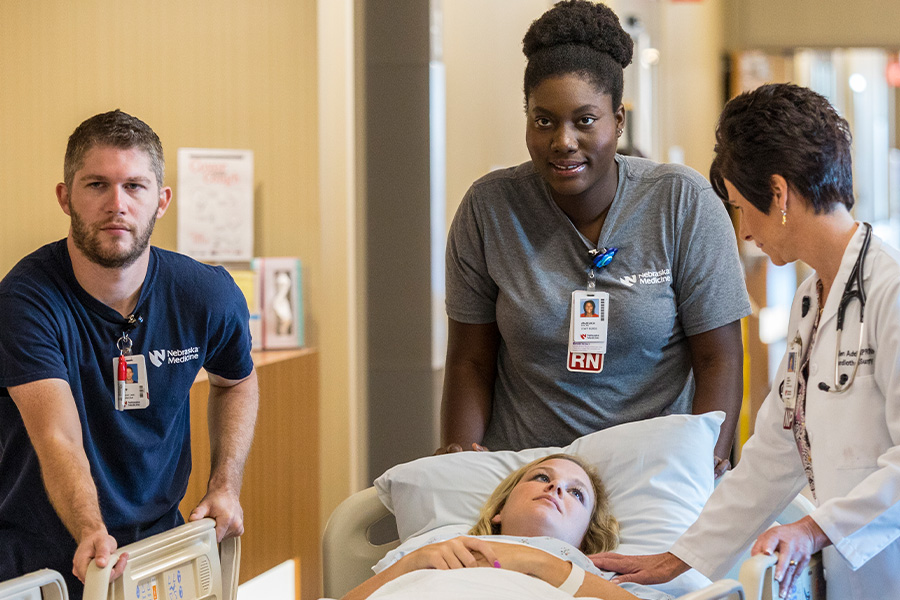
{"x":136,"y":389}
{"x":789,"y":390}
{"x":588,"y":331}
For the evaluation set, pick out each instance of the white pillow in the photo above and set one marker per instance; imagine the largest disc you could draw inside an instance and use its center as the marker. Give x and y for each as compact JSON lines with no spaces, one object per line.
{"x":658,"y":472}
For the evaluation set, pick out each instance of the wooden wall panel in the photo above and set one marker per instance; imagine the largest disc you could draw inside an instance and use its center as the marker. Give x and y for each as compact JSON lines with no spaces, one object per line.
{"x":280,"y":495}
{"x":229,"y":74}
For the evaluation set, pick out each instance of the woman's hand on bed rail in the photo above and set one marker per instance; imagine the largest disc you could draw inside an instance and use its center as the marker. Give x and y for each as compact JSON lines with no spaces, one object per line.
{"x":647,"y":569}
{"x":794,"y":543}
{"x":451,"y":448}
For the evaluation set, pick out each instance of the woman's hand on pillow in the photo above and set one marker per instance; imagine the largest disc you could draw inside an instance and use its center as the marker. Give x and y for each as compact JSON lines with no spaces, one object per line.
{"x":646,"y":570}
{"x":454,"y":447}
{"x":461,"y":552}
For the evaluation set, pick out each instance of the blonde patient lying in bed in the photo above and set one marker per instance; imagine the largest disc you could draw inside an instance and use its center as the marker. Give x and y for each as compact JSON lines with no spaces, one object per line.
{"x":558,"y":496}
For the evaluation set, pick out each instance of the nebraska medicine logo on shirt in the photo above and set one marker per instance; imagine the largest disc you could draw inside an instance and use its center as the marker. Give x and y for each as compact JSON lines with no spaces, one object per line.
{"x":648,"y":277}
{"x":158,"y":357}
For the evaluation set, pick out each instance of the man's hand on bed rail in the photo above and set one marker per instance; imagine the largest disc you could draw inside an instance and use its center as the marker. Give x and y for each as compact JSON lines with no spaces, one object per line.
{"x":97,"y":546}
{"x":794,"y":543}
{"x":225,"y":507}
{"x":451,"y":448}
{"x":647,"y":569}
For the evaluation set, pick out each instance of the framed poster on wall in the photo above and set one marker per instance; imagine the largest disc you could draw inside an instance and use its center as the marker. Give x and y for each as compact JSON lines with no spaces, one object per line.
{"x":215,"y":204}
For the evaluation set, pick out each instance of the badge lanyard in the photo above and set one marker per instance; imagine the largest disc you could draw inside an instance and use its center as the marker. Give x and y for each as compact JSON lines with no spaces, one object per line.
{"x":589,"y":319}
{"x":131,"y":390}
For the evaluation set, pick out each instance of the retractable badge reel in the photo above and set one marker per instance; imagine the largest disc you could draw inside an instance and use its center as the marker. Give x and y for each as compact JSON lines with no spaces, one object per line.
{"x":131,"y":389}
{"x":589,"y":319}
{"x":789,"y":387}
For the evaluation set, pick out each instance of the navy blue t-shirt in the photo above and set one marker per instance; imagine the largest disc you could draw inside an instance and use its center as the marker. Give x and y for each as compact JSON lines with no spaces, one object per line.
{"x":50,"y":328}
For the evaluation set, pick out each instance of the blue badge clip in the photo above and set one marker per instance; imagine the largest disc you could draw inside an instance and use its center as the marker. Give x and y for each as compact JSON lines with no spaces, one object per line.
{"x":603,"y":257}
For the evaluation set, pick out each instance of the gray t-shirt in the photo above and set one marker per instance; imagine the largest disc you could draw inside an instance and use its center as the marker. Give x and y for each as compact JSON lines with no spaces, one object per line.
{"x":515,"y":258}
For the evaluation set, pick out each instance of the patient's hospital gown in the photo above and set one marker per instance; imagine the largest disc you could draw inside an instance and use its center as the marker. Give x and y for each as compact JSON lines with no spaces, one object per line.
{"x":496,"y":584}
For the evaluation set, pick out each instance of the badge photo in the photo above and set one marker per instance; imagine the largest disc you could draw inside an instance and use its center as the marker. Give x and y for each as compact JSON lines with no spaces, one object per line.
{"x":587,"y":331}
{"x":130,"y":386}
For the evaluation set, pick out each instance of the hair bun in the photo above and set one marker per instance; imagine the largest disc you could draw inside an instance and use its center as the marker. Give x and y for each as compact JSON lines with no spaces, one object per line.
{"x":580,"y":22}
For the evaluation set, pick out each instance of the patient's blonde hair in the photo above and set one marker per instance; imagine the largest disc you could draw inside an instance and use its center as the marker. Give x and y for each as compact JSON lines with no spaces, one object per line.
{"x":602,"y":534}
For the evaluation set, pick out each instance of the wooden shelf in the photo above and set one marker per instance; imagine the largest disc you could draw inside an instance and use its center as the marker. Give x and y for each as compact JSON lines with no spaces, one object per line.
{"x":280,"y":494}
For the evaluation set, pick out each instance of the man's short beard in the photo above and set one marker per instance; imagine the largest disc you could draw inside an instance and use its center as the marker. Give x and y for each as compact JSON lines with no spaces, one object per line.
{"x":89,"y":243}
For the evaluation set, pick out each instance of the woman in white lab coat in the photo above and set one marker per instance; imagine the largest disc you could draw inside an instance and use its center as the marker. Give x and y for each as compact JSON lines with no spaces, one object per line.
{"x":832,"y":419}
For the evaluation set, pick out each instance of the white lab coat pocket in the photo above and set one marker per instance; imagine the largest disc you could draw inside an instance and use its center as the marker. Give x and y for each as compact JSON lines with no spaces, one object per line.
{"x":853,"y":433}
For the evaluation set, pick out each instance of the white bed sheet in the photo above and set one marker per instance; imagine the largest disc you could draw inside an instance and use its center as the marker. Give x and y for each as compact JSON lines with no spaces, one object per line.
{"x":471,"y":584}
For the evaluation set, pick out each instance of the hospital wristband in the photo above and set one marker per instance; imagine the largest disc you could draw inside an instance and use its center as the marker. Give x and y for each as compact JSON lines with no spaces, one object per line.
{"x":573,"y":581}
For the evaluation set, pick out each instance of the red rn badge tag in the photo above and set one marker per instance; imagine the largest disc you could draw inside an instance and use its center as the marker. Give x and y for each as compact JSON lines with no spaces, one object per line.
{"x":585,"y":362}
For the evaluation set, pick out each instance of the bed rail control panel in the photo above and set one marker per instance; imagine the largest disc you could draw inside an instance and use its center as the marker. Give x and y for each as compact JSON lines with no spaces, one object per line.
{"x":184,"y":563}
{"x":45,"y":584}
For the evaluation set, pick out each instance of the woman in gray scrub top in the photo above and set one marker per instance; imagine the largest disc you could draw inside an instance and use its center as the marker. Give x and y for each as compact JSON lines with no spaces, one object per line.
{"x":650,"y":243}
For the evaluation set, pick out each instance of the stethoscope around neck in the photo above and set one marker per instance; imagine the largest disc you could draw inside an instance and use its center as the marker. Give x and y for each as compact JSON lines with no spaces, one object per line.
{"x":852,"y":290}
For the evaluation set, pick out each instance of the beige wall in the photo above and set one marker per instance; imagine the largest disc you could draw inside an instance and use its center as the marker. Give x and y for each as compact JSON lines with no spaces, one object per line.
{"x":229,"y":74}
{"x":485,"y":107}
{"x":343,"y":440}
{"x":775,"y":24}
{"x":691,"y":89}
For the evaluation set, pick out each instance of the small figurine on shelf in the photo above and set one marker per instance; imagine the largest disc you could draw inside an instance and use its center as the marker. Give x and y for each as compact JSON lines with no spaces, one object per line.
{"x":282,"y":302}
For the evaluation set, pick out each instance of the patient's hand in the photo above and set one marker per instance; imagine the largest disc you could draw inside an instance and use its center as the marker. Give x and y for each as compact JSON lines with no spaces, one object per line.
{"x":451,"y":448}
{"x":554,"y":570}
{"x":517,"y":557}
{"x":648,"y":569}
{"x":457,"y":553}
{"x":467,"y":552}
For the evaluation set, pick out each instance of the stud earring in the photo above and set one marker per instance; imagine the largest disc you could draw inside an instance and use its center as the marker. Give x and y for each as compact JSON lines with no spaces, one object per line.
{"x":783,"y":217}
{"x":619,"y":132}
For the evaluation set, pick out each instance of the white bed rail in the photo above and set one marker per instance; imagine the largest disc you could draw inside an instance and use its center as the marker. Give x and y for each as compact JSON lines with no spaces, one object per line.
{"x":724,"y":589}
{"x":347,"y":555}
{"x":184,"y":563}
{"x":45,"y":584}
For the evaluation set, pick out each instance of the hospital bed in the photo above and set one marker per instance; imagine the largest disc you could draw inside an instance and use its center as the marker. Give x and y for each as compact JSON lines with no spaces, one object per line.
{"x":361,"y":530}
{"x":656,"y":472}
{"x":45,"y":584}
{"x":184,"y":563}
